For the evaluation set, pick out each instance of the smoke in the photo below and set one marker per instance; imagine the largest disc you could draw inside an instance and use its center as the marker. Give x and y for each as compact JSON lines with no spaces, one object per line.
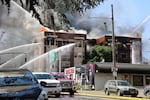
{"x":102,"y":24}
{"x":18,"y":27}
{"x":128,"y":31}
{"x":95,"y":26}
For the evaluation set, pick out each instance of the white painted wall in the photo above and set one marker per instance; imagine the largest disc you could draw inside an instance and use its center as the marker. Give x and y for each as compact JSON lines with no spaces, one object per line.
{"x":136,"y":52}
{"x":101,"y":79}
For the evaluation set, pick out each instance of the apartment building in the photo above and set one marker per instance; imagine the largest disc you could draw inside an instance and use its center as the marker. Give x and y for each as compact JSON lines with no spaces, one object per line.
{"x":128,"y":62}
{"x":128,"y":49}
{"x":76,"y":55}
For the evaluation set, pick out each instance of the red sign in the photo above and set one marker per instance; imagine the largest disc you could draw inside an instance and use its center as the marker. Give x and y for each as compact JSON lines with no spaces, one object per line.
{"x":70,"y":71}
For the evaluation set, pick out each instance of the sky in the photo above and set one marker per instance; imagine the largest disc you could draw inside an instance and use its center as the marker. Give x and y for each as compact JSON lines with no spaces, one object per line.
{"x":131,"y":16}
{"x":126,"y":13}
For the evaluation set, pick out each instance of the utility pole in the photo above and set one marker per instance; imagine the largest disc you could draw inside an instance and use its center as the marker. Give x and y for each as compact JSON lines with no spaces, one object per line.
{"x":114,"y":68}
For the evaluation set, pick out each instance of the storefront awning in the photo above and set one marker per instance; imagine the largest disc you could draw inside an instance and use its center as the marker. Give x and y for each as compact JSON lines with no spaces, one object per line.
{"x":123,"y":68}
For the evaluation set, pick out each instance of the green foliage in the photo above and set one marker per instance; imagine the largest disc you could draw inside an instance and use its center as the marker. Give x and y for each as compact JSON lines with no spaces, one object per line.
{"x":99,"y":53}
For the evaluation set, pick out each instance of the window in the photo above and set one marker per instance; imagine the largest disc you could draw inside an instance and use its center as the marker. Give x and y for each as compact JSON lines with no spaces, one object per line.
{"x":137,"y":80}
{"x":147,"y":80}
{"x":59,"y":43}
{"x":79,"y":43}
{"x":126,"y":77}
{"x":16,"y":78}
{"x":123,"y":83}
{"x":123,"y":55}
{"x":50,"y":41}
{"x":65,"y":42}
{"x":112,"y":83}
{"x":43,"y":76}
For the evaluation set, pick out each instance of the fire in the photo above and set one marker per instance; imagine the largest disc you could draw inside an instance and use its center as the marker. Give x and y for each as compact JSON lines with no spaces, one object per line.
{"x":42,"y":30}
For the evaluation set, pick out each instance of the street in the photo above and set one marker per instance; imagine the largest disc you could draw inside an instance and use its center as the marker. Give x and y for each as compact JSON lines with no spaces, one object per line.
{"x":67,"y":97}
{"x":96,"y":95}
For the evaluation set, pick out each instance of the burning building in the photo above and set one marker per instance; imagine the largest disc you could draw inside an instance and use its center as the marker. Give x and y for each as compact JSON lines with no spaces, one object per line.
{"x":69,"y":59}
{"x":128,"y":49}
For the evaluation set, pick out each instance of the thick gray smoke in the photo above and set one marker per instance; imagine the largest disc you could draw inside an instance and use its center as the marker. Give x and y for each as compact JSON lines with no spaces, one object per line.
{"x":100,"y":25}
{"x":16,"y":28}
{"x":95,"y":26}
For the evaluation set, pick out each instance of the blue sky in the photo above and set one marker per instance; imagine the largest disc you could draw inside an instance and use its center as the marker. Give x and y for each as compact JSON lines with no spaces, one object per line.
{"x":129,"y":13}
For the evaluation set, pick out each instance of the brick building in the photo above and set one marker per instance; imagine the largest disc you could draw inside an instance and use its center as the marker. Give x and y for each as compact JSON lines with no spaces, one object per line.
{"x":77,"y":53}
{"x":128,"y":49}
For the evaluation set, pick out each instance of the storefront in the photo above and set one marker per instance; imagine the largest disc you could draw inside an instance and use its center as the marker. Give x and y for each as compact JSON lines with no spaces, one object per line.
{"x":137,"y":74}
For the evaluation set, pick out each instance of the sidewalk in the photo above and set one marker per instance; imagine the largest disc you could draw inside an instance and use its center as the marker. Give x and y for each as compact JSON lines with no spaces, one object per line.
{"x":100,"y":93}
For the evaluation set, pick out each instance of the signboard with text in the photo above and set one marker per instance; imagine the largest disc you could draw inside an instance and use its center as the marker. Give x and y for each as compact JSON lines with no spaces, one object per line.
{"x":70,"y":72}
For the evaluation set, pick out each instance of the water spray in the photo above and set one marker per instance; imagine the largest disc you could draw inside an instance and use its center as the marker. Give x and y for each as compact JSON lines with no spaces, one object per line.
{"x":60,"y":49}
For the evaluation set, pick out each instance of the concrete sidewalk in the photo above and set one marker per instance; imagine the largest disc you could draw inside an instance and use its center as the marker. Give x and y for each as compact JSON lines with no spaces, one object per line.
{"x":100,"y":93}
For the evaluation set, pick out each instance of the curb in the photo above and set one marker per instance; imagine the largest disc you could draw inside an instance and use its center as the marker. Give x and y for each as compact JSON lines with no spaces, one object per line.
{"x":110,"y":96}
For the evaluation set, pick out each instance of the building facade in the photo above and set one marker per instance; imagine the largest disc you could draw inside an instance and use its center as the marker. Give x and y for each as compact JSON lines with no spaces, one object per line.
{"x":137,"y":74}
{"x":76,"y":55}
{"x":128,"y":49}
{"x":128,"y":61}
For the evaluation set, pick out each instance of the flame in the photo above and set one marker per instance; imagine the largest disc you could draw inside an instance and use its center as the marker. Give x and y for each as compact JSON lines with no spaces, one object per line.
{"x":42,"y":30}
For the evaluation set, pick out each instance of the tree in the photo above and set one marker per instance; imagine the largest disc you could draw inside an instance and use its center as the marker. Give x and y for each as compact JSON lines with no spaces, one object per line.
{"x":100,"y":53}
{"x":43,"y":9}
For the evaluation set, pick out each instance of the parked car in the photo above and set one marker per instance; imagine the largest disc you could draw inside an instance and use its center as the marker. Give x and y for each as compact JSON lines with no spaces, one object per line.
{"x":120,"y":87}
{"x":20,"y":84}
{"x":147,"y":91}
{"x":50,"y":85}
{"x":67,"y":84}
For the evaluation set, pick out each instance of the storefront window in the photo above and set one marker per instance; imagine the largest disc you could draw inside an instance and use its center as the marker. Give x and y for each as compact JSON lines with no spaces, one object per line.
{"x":137,"y":80}
{"x":126,"y":77}
{"x":147,"y":80}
